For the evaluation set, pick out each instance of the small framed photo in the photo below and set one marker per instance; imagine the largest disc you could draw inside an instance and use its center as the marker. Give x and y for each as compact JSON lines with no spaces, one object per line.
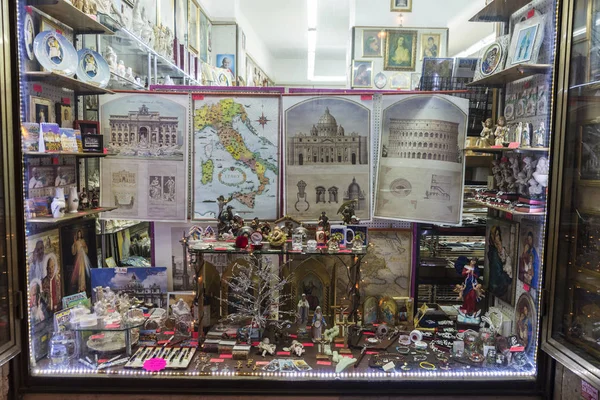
{"x":64,"y":115}
{"x":415,"y":81}
{"x":401,"y":5}
{"x":88,"y":127}
{"x":174,"y":297}
{"x":92,"y":143}
{"x":430,"y":45}
{"x":526,"y":40}
{"x":40,"y":110}
{"x":362,"y":74}
{"x":371,"y":43}
{"x":400,"y":80}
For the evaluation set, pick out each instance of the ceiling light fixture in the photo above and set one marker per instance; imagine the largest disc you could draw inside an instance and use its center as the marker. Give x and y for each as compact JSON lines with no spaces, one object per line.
{"x":311,"y":12}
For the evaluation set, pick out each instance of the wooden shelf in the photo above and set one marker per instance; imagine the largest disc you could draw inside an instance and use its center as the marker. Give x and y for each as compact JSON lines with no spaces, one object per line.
{"x":67,"y":217}
{"x":62,"y":153}
{"x":499,"y":10}
{"x":512,"y":74}
{"x":64,"y":12}
{"x":79,"y":87}
{"x":503,"y":149}
{"x":505,"y":209}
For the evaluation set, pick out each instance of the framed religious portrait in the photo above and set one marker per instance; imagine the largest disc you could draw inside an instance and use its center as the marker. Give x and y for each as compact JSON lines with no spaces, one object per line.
{"x":362,"y":73}
{"x":40,"y":110}
{"x":530,"y":243}
{"x":400,"y":50}
{"x":500,"y":272}
{"x":589,"y":151}
{"x":64,"y":115}
{"x":525,"y":318}
{"x":194,"y":26}
{"x":401,"y":5}
{"x":371,"y":43}
{"x":79,"y":255}
{"x":226,"y":61}
{"x":430,"y":45}
{"x":526,"y":40}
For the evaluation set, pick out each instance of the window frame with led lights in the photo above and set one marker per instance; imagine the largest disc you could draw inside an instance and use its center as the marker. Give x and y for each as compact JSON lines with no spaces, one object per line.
{"x":394,"y":297}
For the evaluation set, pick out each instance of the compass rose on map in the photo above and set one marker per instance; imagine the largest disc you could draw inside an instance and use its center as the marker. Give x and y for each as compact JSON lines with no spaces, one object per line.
{"x":262,"y":120}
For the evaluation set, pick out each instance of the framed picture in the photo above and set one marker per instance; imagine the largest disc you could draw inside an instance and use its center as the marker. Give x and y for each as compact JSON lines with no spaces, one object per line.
{"x":370,"y":310}
{"x":530,"y":242}
{"x":226,"y":61}
{"x":465,"y":67}
{"x":400,"y":80}
{"x":45,"y":285}
{"x":165,"y":14}
{"x":173,"y":298}
{"x":371,"y":43}
{"x":380,"y":80}
{"x":147,"y":284}
{"x":204,"y":27}
{"x":525,"y":316}
{"x":64,"y":115}
{"x":181,"y":20}
{"x":401,"y":5}
{"x":437,"y":73}
{"x":501,"y":258}
{"x":40,"y":110}
{"x":430,"y":45}
{"x":79,"y":255}
{"x":362,"y":73}
{"x":526,"y":40}
{"x":415,"y":81}
{"x":400,"y":50}
{"x":88,"y":127}
{"x":194,"y":26}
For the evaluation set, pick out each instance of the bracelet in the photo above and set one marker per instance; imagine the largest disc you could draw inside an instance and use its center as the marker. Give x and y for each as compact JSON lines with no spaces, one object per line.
{"x":404,"y":340}
{"x":419,"y":345}
{"x":419,"y":358}
{"x":402,"y":350}
{"x":416,"y":336}
{"x":427,"y":365}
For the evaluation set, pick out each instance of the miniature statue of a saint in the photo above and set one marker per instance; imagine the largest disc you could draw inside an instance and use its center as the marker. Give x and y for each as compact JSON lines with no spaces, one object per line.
{"x":303,"y":308}
{"x":318,"y":323}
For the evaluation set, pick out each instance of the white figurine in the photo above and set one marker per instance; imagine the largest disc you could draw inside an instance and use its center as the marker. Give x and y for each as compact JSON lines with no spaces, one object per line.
{"x":296,"y":348}
{"x":138,"y":80}
{"x":121,"y":68}
{"x":168,"y":80}
{"x":526,"y":135}
{"x":540,"y":135}
{"x":541,"y":172}
{"x":180,"y":309}
{"x":129,"y":74}
{"x":518,"y":132}
{"x":266,"y":347}
{"x":318,"y":323}
{"x":500,"y":132}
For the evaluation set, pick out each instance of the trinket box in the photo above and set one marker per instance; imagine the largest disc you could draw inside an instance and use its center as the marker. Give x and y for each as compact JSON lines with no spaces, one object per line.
{"x":211,"y":346}
{"x":241,"y":351}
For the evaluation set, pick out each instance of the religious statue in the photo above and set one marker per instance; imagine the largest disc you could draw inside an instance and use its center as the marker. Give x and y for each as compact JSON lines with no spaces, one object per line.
{"x":318,"y":323}
{"x":265,"y":347}
{"x":225,"y":220}
{"x":324,"y":222}
{"x":539,"y":179}
{"x":222,"y":203}
{"x":180,"y":309}
{"x":111,"y":59}
{"x":469,"y":291}
{"x":487,"y":134}
{"x":347,"y":211}
{"x":540,"y":135}
{"x":501,"y":131}
{"x":295,"y":349}
{"x":302,"y":313}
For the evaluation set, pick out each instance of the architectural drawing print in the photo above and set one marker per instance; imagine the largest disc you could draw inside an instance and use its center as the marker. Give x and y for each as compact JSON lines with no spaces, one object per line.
{"x":422,"y":138}
{"x":143,"y":126}
{"x":440,"y":188}
{"x":124,"y":189}
{"x":327,"y":155}
{"x":236,"y":154}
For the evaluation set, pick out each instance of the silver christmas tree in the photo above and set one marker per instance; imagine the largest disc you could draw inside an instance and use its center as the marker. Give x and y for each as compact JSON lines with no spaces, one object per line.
{"x":255,"y":291}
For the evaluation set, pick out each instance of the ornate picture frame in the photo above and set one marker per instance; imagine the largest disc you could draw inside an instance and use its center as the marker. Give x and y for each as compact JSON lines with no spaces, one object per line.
{"x":400,"y":50}
{"x":362,"y":74}
{"x":401,"y":5}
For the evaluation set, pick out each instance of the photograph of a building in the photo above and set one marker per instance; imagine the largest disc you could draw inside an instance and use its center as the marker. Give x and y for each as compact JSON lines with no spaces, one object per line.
{"x":143,"y":128}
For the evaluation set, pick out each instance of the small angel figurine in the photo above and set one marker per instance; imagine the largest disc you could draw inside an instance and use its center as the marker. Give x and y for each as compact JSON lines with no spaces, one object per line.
{"x":265,"y":347}
{"x":501,"y":131}
{"x":111,"y":59}
{"x":486,"y":134}
{"x":121,"y":68}
{"x":129,"y":74}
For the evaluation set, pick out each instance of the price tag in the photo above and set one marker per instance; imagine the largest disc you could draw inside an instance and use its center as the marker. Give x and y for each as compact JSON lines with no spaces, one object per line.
{"x":370,"y":353}
{"x":323,"y":362}
{"x":283,"y":353}
{"x":169,"y":333}
{"x":262,"y":363}
{"x":66,"y":100}
{"x":155,"y":364}
{"x":309,"y":344}
{"x":217,"y":360}
{"x":37,"y":88}
{"x":340,"y":345}
{"x":365,"y":97}
{"x":226,"y":356}
{"x":120,"y":270}
{"x":196,"y":96}
{"x":112,"y":326}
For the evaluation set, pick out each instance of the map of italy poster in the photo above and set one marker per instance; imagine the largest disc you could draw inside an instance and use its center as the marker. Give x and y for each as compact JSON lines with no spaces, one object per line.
{"x":236,"y":155}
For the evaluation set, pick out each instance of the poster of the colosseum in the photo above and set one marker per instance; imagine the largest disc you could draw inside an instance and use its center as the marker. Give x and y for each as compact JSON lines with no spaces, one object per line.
{"x":421,"y":167}
{"x":327,"y":155}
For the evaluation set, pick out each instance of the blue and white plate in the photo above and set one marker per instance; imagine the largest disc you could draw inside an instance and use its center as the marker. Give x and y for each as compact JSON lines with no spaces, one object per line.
{"x":55,"y":53}
{"x":92,"y":68}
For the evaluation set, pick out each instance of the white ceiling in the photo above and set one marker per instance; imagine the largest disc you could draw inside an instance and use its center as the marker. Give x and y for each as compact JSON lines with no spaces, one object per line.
{"x":282,"y":24}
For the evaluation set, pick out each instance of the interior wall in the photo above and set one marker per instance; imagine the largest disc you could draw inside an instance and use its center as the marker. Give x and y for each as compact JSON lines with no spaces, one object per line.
{"x":223,"y":42}
{"x":293,"y":71}
{"x":255,"y":47}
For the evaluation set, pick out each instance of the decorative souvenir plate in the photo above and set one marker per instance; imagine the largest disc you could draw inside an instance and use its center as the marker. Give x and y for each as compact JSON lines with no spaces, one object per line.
{"x":55,"y":53}
{"x":92,"y":68}
{"x":28,"y":35}
{"x":509,"y":111}
{"x":491,"y":59}
{"x":380,"y":80}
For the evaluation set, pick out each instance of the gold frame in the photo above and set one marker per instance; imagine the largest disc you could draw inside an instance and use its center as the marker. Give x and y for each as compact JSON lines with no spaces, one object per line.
{"x":370,"y":73}
{"x":381,"y":43}
{"x":392,"y":86}
{"x":413,"y":57}
{"x":189,"y":30}
{"x":393,"y":7}
{"x":33,"y":100}
{"x":439,"y":43}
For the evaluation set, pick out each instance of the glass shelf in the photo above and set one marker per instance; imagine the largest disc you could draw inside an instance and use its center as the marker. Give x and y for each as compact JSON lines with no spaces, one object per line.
{"x":80,"y":88}
{"x":69,"y":15}
{"x":101,"y":326}
{"x":67,"y":217}
{"x":512,"y":74}
{"x":229,"y":248}
{"x":62,"y":153}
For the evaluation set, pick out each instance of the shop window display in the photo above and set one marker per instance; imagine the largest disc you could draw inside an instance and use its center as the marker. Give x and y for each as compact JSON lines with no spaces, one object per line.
{"x":293,"y":219}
